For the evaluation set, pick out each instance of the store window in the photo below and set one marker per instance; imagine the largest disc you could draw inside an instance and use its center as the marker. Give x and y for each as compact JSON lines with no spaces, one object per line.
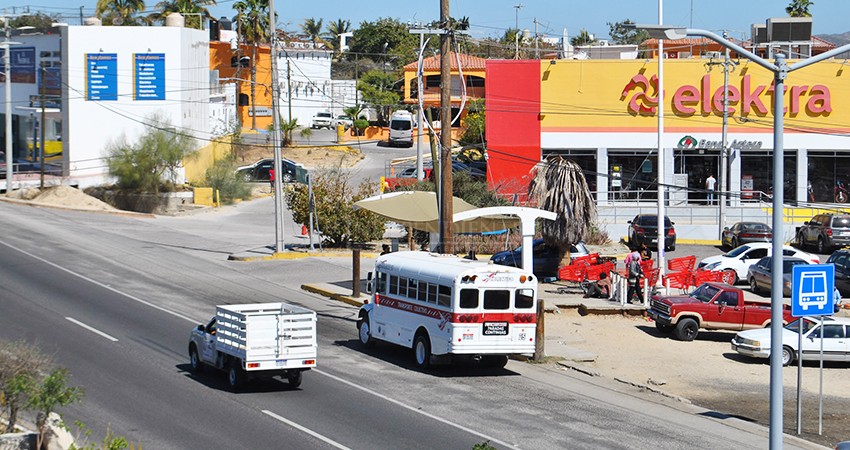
{"x":757,"y":173}
{"x":638,"y":177}
{"x":586,"y":159}
{"x":829,"y":174}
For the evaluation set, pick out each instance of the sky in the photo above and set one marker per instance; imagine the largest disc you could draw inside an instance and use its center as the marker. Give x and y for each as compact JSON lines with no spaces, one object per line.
{"x":490,"y":18}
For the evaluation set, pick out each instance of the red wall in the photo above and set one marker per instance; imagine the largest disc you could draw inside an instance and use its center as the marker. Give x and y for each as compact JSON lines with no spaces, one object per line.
{"x":513,"y":124}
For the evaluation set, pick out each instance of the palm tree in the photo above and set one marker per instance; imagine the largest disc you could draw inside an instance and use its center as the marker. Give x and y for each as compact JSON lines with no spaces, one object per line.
{"x":334,"y":30}
{"x":558,"y":185}
{"x":253,"y":23}
{"x":313,"y":30}
{"x":194,"y":10}
{"x":583,"y":38}
{"x":799,"y":8}
{"x":120,"y":12}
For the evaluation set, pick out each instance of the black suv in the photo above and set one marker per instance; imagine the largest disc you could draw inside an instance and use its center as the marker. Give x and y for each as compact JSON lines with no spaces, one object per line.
{"x":825,"y":231}
{"x":841,"y":259}
{"x":643,"y":229}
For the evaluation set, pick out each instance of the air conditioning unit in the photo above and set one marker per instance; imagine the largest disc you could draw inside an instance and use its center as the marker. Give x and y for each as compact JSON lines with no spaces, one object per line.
{"x":711,"y":55}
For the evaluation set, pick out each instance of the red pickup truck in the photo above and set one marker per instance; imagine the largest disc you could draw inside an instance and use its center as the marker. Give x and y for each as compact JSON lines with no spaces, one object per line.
{"x":712,"y":306}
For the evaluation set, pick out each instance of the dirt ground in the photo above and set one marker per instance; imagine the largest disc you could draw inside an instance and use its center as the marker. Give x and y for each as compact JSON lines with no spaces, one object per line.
{"x":311,"y":157}
{"x":707,"y":372}
{"x":61,"y":196}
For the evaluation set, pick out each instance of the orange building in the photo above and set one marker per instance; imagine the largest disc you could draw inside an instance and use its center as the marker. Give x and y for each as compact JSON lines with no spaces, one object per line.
{"x":234,"y":66}
{"x":472,"y":67}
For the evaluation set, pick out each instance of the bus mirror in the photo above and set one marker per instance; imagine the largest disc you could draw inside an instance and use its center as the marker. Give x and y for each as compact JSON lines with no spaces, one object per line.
{"x":369,"y":283}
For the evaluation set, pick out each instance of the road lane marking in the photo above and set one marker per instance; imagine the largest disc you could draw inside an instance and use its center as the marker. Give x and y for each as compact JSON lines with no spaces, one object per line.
{"x":306,"y":430}
{"x":417,"y":410}
{"x":92,"y":329}
{"x":98,"y":283}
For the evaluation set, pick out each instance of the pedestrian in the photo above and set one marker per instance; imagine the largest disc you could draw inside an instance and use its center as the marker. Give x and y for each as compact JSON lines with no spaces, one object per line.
{"x":645,"y":254}
{"x":709,"y":186}
{"x":600,"y":289}
{"x":635,"y":273}
{"x":836,"y":297}
{"x":385,"y":249}
{"x":271,"y":177}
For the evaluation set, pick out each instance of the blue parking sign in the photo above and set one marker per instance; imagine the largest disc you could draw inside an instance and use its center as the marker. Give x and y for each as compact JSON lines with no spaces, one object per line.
{"x":811,"y":290}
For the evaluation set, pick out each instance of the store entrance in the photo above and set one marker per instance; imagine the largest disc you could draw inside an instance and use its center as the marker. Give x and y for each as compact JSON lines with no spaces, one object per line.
{"x":699,"y":165}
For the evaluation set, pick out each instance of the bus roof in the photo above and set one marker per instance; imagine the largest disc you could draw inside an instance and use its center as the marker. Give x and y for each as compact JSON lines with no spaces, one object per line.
{"x":438,"y":267}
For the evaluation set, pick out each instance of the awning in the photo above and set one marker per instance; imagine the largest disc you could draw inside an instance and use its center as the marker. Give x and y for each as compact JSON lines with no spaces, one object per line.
{"x":419,"y":210}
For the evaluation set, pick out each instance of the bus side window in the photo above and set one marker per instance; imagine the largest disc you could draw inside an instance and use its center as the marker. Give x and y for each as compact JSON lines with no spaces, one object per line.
{"x":382,"y":283}
{"x":423,"y":291}
{"x":432,"y":293}
{"x":394,"y":284}
{"x":445,"y":296}
{"x":411,"y":288}
{"x":497,"y":299}
{"x":469,"y":298}
{"x":402,"y":286}
{"x":524,"y":298}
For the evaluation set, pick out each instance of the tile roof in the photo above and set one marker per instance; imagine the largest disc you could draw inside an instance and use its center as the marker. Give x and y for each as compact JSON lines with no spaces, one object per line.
{"x":468,"y":62}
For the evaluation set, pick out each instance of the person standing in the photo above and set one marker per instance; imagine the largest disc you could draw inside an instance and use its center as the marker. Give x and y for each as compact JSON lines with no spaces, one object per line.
{"x":271,"y":178}
{"x":635,"y":273}
{"x":710,"y":182}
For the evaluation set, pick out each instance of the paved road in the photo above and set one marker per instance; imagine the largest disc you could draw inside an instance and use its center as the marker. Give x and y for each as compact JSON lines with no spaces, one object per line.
{"x":146,"y":282}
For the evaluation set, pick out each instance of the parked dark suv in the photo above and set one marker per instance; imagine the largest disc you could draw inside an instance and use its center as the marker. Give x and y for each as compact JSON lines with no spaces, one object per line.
{"x":643,"y":229}
{"x":841,"y":259}
{"x":825,"y":231}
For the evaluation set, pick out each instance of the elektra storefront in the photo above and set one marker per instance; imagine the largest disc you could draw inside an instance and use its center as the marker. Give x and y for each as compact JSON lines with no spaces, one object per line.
{"x":603,"y":115}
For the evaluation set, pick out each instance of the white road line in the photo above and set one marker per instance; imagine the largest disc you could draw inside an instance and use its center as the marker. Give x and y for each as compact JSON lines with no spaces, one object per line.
{"x":100,"y":284}
{"x":417,"y":410}
{"x":92,"y":329}
{"x":306,"y":430}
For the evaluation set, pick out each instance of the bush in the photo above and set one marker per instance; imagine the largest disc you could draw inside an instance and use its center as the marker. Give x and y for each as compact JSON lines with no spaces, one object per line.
{"x":223,"y":178}
{"x":334,"y":214}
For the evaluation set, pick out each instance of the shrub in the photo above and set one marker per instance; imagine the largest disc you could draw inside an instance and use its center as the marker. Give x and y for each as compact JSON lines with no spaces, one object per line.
{"x":223,"y":178}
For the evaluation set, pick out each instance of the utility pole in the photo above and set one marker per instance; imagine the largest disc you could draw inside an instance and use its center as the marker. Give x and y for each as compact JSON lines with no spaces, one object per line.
{"x":81,"y":16}
{"x":723,"y":182}
{"x":289,"y":89}
{"x":420,"y":173}
{"x":536,"y":46}
{"x":446,"y":207}
{"x":7,"y":48}
{"x":41,"y":128}
{"x":518,"y":6}
{"x":278,"y":197}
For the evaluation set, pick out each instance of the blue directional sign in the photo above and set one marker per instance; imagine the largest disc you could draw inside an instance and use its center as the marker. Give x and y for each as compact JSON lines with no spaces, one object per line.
{"x":149,"y":76}
{"x":101,"y":76}
{"x":812,"y":288}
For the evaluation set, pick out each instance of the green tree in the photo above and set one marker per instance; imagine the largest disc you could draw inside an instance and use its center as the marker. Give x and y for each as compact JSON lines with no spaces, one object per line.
{"x":40,"y":21}
{"x":799,"y":8}
{"x":286,"y":128}
{"x":380,"y":90}
{"x":313,"y":29}
{"x":153,"y":160}
{"x":558,"y":185}
{"x":120,"y":12}
{"x":20,"y":365}
{"x":333,"y":32}
{"x":194,"y":11}
{"x":333,"y":197}
{"x":621,"y":34}
{"x":401,"y":46}
{"x":49,"y":394}
{"x":583,"y":38}
{"x":222,"y":177}
{"x":253,"y":25}
{"x":473,"y":136}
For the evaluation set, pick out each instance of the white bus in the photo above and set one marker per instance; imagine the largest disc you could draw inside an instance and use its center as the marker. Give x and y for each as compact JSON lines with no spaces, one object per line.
{"x":443,"y":306}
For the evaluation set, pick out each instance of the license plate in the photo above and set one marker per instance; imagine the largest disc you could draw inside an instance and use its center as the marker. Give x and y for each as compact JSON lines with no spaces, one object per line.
{"x":495,"y":328}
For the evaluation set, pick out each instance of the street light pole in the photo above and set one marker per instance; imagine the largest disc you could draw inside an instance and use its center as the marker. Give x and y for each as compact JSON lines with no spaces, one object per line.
{"x":8,"y":91}
{"x":780,"y":70}
{"x":279,"y":244}
{"x":662,"y":231}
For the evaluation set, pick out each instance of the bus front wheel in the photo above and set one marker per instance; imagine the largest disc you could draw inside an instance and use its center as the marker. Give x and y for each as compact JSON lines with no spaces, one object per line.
{"x":422,"y":351}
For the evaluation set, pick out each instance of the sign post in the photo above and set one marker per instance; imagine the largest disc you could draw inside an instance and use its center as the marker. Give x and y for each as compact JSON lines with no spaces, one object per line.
{"x":811,"y":295}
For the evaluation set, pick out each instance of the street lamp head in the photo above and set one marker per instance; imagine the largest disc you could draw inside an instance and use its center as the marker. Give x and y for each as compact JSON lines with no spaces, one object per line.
{"x":660,"y":31}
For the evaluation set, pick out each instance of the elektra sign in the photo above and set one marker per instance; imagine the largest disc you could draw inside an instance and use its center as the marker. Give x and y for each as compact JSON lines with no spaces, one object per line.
{"x":701,"y":99}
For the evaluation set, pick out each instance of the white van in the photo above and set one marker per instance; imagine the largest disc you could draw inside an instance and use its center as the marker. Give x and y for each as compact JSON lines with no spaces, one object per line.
{"x":401,"y":128}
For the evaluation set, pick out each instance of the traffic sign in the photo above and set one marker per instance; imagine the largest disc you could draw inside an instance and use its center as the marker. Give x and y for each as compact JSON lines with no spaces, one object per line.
{"x":812,"y":288}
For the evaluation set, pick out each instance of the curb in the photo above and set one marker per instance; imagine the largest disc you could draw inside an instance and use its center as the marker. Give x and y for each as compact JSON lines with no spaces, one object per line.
{"x":294,"y":254}
{"x":333,"y":295}
{"x":117,"y":212}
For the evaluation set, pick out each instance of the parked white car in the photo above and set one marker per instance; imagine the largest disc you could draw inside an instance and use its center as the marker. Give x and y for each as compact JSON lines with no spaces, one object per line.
{"x":343,"y":120}
{"x":740,"y":258}
{"x":836,"y":346}
{"x":322,"y":120}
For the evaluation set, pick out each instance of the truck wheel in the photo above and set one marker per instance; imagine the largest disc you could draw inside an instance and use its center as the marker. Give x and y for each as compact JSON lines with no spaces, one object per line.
{"x":294,"y":378}
{"x":194,"y":360}
{"x":787,"y":355}
{"x":754,"y":286}
{"x":687,"y":329}
{"x":235,"y":376}
{"x":821,"y":246}
{"x":664,"y":328}
{"x":364,"y":332}
{"x":422,"y":351}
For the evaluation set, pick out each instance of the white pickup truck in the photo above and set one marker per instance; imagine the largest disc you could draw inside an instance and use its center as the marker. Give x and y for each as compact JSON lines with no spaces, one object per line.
{"x":258,"y":340}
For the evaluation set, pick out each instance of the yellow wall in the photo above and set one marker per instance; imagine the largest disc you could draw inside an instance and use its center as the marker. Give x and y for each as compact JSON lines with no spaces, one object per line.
{"x":596,"y":95}
{"x":197,"y":164}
